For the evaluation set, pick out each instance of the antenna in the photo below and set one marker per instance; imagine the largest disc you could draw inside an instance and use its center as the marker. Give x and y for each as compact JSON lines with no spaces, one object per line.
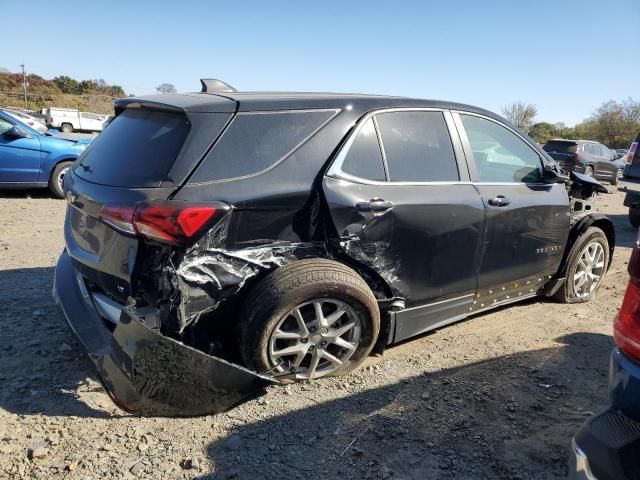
{"x":214,"y":85}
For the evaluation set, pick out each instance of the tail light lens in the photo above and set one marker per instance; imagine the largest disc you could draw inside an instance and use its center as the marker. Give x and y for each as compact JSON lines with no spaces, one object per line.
{"x":632,"y":152}
{"x":626,"y":329}
{"x":175,"y":223}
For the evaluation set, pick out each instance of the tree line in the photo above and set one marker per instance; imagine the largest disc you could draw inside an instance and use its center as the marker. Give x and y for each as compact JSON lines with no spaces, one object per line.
{"x":614,"y":124}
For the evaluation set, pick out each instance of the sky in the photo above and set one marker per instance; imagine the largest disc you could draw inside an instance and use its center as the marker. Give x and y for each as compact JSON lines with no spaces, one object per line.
{"x":567,"y":57}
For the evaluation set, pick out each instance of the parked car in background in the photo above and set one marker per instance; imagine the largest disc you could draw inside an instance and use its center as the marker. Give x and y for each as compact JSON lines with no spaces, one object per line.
{"x":585,"y":156}
{"x":632,"y":160}
{"x":69,"y":120}
{"x":294,"y":232}
{"x":28,"y":119}
{"x":30,"y":159}
{"x":607,"y":445}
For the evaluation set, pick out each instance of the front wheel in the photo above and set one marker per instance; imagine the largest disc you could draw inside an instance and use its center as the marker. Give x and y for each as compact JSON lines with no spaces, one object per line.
{"x":311,"y":318}
{"x":57,"y":178}
{"x":586,"y":266}
{"x":588,"y":170}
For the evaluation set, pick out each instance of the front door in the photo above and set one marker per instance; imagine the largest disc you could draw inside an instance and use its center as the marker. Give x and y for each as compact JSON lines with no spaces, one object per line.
{"x":402,"y":206}
{"x":19,"y":157}
{"x":527,"y":221}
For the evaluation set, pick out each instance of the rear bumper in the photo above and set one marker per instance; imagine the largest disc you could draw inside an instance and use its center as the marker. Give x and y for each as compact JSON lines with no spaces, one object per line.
{"x":144,"y":372}
{"x":607,"y":446}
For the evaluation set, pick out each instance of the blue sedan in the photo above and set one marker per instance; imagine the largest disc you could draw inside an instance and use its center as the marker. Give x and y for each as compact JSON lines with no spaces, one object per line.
{"x":29,"y":159}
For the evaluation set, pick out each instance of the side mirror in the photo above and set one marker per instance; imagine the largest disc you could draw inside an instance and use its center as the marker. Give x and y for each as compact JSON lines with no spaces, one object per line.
{"x":549,"y":175}
{"x":17,"y":132}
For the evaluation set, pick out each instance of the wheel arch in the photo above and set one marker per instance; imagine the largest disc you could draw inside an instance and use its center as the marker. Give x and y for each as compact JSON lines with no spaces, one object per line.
{"x":57,"y":162}
{"x":597,"y":220}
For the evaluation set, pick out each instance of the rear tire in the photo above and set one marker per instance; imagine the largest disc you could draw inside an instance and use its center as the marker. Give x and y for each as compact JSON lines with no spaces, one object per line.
{"x":581,"y":284}
{"x":284,"y":304}
{"x":617,"y":176}
{"x":634,"y":216}
{"x":56,"y":179}
{"x":66,"y":128}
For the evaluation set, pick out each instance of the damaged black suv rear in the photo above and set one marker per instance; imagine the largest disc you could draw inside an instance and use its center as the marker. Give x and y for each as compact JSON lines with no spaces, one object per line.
{"x":219,"y":242}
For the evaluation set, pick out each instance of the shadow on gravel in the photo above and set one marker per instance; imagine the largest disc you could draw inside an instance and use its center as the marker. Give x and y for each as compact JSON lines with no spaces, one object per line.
{"x":510,"y":417}
{"x":41,"y":366}
{"x":625,"y":233}
{"x":28,"y":193}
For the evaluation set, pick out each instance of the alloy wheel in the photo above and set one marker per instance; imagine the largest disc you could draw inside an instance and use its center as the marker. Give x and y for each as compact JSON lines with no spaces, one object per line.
{"x":315,"y":338}
{"x":589,"y":270}
{"x":588,"y":171}
{"x":620,"y":173}
{"x":61,"y":175}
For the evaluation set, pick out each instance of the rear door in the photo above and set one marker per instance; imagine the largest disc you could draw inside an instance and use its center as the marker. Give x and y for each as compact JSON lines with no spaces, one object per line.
{"x":19,"y":157}
{"x":402,"y":205}
{"x":527,"y":220}
{"x":605,"y":166}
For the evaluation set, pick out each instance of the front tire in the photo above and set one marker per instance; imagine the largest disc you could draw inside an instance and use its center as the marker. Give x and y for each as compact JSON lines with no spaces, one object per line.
{"x":586,"y":267}
{"x":314,"y":318}
{"x":588,"y":170}
{"x":67,"y":128}
{"x":57,"y":178}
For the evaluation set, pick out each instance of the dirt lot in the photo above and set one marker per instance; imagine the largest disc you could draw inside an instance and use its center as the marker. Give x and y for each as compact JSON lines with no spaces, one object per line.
{"x":497,"y":396}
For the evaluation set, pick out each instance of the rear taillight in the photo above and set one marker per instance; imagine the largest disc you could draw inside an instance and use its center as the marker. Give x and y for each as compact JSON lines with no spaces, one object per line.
{"x":626,"y":327}
{"x":176,"y":223}
{"x":632,"y":152}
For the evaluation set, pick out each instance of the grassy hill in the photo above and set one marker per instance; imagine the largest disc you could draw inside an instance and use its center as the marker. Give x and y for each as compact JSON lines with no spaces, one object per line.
{"x":63,"y":91}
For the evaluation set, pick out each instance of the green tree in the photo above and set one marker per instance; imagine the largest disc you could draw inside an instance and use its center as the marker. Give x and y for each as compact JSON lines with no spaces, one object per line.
{"x":166,"y":88}
{"x":542,"y":132}
{"x":520,"y":114}
{"x":67,"y":84}
{"x":615,"y":123}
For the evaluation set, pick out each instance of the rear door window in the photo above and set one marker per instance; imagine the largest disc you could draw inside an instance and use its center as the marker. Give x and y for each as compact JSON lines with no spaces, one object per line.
{"x":256,"y":141}
{"x":364,"y":158}
{"x":137,"y":150}
{"x":417,"y":147}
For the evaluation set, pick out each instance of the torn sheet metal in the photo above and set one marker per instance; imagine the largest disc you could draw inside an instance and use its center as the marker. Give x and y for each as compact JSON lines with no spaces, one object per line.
{"x":207,"y":275}
{"x":378,"y":256}
{"x":145,"y":372}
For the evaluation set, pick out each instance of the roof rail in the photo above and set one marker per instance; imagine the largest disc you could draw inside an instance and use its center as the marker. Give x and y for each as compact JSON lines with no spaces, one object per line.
{"x":215,"y":85}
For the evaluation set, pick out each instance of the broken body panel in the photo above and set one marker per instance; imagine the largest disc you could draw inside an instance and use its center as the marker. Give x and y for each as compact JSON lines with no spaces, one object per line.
{"x":426,"y":259}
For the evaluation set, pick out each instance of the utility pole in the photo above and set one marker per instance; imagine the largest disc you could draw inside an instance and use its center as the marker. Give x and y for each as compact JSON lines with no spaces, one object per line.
{"x":24,"y":85}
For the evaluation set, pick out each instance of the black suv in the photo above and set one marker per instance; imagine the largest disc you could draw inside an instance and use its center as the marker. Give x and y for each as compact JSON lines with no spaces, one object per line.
{"x":294,"y":233}
{"x":588,"y":157}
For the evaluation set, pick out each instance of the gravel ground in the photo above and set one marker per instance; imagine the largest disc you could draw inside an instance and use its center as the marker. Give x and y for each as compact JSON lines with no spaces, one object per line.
{"x":497,"y":396}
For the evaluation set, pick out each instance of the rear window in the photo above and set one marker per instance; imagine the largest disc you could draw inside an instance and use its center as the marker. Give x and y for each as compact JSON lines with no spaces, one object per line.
{"x":256,"y":141}
{"x":137,"y":150}
{"x":364,"y":159}
{"x":417,"y":147}
{"x":560,"y":147}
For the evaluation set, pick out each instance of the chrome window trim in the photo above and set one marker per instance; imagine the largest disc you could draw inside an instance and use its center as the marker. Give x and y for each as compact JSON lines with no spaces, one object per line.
{"x":335,"y":170}
{"x":336,"y":112}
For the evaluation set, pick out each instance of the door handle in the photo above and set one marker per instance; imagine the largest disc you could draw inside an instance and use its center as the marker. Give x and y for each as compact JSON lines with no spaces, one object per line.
{"x":374,"y":205}
{"x":499,"y":201}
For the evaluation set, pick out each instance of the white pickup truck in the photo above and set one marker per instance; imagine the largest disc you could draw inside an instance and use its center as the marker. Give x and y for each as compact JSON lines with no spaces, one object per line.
{"x":69,"y":120}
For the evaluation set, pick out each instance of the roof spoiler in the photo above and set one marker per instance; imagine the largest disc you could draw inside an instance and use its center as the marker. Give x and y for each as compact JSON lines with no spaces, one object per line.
{"x":210,"y":85}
